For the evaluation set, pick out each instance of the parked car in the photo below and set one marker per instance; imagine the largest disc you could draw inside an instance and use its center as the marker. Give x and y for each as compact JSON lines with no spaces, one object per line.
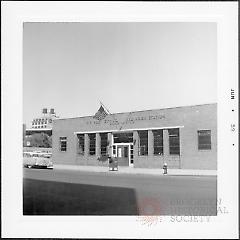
{"x":37,"y":160}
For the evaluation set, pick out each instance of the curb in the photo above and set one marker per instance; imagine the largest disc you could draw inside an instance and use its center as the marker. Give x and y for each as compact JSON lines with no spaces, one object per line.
{"x":105,"y":170}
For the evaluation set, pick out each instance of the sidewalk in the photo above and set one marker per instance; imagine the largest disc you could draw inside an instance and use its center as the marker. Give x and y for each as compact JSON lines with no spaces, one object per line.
{"x":131,"y":170}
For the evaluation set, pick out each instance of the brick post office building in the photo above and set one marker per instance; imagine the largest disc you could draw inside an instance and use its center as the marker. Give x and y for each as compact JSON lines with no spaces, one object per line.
{"x":183,"y":137}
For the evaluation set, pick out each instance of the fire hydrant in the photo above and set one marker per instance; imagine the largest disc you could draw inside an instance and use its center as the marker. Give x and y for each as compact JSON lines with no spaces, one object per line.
{"x":165,"y":168}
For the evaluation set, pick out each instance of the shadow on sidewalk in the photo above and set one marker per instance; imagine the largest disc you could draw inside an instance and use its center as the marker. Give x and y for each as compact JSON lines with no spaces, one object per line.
{"x":58,"y":198}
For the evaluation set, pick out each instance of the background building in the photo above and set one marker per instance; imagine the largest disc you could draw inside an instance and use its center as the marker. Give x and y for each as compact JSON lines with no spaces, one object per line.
{"x":43,"y":123}
{"x":40,"y":133}
{"x":183,"y":137}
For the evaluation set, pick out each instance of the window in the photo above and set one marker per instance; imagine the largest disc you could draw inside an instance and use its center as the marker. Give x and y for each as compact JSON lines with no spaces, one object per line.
{"x":204,"y":140}
{"x":63,"y":144}
{"x":114,"y":150}
{"x":125,"y":151}
{"x":126,"y":137}
{"x":92,"y":144}
{"x":174,"y":145}
{"x":80,"y":144}
{"x":131,"y":153}
{"x":143,"y":143}
{"x":104,"y":143}
{"x":158,"y":142}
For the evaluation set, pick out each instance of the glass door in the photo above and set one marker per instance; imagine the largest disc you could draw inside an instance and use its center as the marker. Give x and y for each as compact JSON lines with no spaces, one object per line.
{"x":123,"y":155}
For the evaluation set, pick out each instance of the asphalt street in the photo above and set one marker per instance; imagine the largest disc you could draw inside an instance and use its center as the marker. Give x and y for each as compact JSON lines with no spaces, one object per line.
{"x":68,"y":192}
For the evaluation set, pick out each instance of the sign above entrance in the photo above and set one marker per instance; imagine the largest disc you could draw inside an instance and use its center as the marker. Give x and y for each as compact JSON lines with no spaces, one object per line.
{"x":129,"y":120}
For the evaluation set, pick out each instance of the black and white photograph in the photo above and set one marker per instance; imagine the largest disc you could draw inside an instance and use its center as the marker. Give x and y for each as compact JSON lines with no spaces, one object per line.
{"x":129,"y":97}
{"x":119,"y":119}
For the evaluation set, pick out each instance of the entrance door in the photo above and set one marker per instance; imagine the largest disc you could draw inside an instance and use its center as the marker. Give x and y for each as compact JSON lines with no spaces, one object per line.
{"x":123,"y":155}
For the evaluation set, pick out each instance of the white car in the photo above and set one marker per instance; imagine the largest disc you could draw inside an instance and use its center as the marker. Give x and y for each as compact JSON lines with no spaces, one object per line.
{"x":37,"y":160}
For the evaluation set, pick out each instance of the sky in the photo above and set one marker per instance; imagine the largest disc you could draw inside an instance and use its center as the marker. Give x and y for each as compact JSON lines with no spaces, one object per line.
{"x":128,"y":66}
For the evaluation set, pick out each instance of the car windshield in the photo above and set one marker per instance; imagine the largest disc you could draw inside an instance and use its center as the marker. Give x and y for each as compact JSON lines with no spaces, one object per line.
{"x":26,"y":154}
{"x":35,"y":155}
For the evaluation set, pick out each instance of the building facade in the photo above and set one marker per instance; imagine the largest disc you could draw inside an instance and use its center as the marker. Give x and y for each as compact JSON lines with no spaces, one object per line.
{"x":45,"y":121}
{"x":40,"y":126}
{"x":182,"y":137}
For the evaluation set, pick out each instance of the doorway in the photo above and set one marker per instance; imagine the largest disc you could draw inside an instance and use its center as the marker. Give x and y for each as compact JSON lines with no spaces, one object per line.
{"x":122,"y":148}
{"x":123,"y":155}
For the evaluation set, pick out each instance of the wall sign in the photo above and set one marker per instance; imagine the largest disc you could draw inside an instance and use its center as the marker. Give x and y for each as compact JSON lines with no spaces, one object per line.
{"x":130,"y":120}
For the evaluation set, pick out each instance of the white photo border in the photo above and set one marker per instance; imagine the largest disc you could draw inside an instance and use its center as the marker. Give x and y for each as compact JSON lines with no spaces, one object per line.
{"x":14,"y":14}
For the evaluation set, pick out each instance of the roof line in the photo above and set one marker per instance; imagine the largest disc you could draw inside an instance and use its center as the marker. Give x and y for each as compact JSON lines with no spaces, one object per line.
{"x":141,"y":111}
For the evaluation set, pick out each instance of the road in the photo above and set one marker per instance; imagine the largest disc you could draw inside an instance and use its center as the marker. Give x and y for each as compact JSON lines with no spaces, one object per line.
{"x":69,"y":192}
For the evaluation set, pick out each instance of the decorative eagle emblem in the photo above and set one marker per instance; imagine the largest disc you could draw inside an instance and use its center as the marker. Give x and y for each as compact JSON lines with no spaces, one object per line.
{"x":100,"y":114}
